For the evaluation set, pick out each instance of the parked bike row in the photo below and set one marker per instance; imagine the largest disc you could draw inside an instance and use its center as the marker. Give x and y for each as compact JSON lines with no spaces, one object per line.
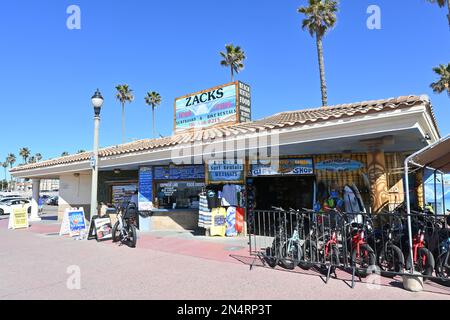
{"x":360,"y":242}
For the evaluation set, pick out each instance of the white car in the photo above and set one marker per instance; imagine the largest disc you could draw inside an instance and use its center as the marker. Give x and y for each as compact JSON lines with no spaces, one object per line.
{"x":8,"y":206}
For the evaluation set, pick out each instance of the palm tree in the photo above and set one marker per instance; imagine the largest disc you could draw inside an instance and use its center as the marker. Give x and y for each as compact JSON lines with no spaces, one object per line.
{"x":442,"y":3}
{"x":234,"y":58}
{"x":5,"y":166}
{"x":24,"y":153}
{"x":32,"y":159}
{"x":38,"y":157}
{"x":81,"y":151}
{"x":153,"y":99}
{"x":64,"y":154}
{"x":320,"y":18}
{"x":11,"y":159}
{"x":443,"y":84}
{"x":124,"y":95}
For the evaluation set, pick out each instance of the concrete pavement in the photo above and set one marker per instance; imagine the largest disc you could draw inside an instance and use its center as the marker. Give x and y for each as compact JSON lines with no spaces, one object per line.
{"x":38,"y":264}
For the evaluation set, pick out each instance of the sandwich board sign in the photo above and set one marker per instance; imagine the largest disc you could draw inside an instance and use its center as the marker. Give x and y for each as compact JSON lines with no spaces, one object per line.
{"x":18,"y":219}
{"x":73,"y":222}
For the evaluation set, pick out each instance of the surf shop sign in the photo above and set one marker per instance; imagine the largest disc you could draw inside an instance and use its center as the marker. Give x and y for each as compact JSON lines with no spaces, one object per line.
{"x":339,"y":165}
{"x":229,"y":103}
{"x":223,"y":171}
{"x":300,"y":166}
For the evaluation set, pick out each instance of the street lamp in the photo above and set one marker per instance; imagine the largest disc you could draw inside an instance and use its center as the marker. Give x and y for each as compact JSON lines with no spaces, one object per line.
{"x":97,"y":102}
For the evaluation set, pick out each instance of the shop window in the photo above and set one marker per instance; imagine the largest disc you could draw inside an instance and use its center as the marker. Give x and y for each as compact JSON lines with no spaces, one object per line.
{"x":179,"y":195}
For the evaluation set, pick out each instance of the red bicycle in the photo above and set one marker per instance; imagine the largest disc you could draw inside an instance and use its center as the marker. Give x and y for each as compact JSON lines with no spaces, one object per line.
{"x":422,"y":257}
{"x":362,"y":254}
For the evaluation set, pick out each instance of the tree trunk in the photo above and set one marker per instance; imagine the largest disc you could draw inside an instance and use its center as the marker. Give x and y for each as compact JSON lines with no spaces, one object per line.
{"x":448,"y":16}
{"x":153,"y":120}
{"x":232,"y":74}
{"x":123,"y":123}
{"x":323,"y":83}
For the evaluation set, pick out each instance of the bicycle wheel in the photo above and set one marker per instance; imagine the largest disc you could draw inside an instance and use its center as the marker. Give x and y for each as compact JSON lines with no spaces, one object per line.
{"x":391,"y":259}
{"x":131,"y":237}
{"x":425,"y":262}
{"x":310,"y":256}
{"x":270,"y":258}
{"x":116,"y":232}
{"x":364,"y":260}
{"x":443,"y":268}
{"x":291,"y":255}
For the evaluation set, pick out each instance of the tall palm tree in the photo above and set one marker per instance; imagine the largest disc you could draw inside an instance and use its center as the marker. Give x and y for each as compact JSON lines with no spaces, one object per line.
{"x":24,"y":153}
{"x":124,"y":94}
{"x":442,"y":3}
{"x":5,"y":166}
{"x":153,"y":99}
{"x":443,"y":84}
{"x":38,"y":157}
{"x":320,"y":18}
{"x":64,"y":154}
{"x":11,"y":159}
{"x":234,"y":58}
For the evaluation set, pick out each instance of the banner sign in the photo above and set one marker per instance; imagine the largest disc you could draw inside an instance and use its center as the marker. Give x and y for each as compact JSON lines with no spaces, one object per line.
{"x":221,"y":104}
{"x":77,"y":223}
{"x":145,"y":190}
{"x":18,"y":219}
{"x":339,"y":165}
{"x":180,"y":173}
{"x":225,"y":171}
{"x":303,"y":166}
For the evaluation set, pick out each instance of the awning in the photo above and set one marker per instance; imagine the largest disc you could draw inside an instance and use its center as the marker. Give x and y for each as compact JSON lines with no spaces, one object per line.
{"x":435,"y":156}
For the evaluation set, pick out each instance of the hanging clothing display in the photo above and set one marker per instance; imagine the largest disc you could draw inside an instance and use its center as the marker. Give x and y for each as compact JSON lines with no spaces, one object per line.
{"x":213,"y":199}
{"x":229,"y":194}
{"x":240,"y":214}
{"x":204,"y":213}
{"x":219,"y":224}
{"x":231,"y":222}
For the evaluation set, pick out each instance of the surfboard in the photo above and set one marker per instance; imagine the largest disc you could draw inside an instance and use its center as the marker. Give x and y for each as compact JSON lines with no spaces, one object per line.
{"x":240,"y":214}
{"x":231,"y":222}
{"x":359,"y":198}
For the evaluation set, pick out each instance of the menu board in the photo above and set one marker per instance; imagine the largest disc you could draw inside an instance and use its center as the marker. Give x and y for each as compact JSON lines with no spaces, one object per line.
{"x":120,"y":193}
{"x":145,"y":189}
{"x":180,"y":173}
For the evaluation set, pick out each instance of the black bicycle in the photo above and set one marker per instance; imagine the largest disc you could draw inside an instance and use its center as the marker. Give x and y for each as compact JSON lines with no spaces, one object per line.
{"x":124,"y":230}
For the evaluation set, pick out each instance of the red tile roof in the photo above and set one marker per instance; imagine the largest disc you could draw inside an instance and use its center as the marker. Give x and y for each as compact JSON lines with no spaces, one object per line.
{"x":279,"y":120}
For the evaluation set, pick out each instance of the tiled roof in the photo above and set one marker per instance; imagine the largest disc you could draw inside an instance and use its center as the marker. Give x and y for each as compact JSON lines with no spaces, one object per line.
{"x":279,"y":120}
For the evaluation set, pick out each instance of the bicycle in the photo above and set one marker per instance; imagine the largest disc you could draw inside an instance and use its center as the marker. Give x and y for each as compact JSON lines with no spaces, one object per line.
{"x":124,"y":229}
{"x":362,"y":256}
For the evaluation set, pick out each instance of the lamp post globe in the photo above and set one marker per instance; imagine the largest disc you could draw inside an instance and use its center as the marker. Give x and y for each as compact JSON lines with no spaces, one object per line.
{"x":97,"y":102}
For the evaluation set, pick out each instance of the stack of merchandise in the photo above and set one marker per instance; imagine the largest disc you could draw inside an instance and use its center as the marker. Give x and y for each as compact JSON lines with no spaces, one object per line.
{"x":204,"y":218}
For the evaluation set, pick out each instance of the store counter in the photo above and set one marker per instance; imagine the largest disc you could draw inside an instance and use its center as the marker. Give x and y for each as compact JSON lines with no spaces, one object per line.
{"x":174,"y":219}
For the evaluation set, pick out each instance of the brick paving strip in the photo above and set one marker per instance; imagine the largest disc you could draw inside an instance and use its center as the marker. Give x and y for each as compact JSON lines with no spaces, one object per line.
{"x":218,"y":250}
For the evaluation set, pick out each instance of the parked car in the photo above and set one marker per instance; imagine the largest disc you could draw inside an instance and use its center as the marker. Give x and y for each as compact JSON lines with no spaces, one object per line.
{"x":52,"y":201}
{"x":7,"y":207}
{"x":10,"y":196}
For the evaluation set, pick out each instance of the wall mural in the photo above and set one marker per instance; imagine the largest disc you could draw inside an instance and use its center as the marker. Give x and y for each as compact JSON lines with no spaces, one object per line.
{"x":378,"y":180}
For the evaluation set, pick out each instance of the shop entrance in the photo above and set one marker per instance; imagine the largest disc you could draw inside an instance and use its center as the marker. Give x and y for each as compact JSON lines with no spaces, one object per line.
{"x":295,"y":192}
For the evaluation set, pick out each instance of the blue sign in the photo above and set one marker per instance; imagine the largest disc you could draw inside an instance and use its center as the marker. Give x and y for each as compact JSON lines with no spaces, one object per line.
{"x":76,"y":221}
{"x":180,"y":173}
{"x":145,"y":189}
{"x":339,"y":165}
{"x":226,"y":171}
{"x":300,"y":166}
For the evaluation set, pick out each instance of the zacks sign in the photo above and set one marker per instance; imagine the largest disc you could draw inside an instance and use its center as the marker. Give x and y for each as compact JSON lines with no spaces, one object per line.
{"x":229,"y":103}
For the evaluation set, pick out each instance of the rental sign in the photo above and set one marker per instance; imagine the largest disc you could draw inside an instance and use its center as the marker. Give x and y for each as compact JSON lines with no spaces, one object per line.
{"x":229,"y":103}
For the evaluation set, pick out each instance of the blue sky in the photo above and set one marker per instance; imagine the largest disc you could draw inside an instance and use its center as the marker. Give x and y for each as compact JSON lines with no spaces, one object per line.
{"x":48,"y":73}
